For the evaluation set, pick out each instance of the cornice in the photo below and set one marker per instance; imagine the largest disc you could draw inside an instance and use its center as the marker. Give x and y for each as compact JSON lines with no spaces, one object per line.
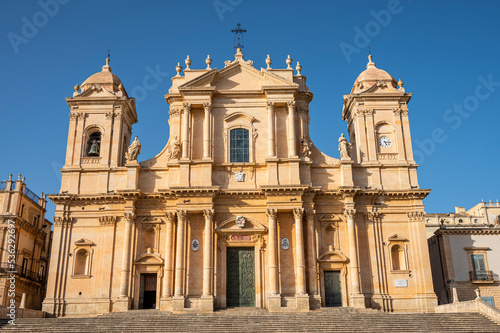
{"x":468,"y":231}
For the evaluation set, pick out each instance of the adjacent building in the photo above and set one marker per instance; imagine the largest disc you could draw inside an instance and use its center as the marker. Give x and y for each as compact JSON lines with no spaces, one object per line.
{"x":464,"y":247}
{"x":240,"y":209}
{"x":25,"y":237}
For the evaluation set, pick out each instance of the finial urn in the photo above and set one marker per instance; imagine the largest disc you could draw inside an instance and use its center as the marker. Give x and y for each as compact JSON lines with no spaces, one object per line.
{"x":298,"y":68}
{"x":269,"y":61}
{"x":208,"y":61}
{"x":188,"y":62}
{"x":178,"y":69}
{"x":289,"y":62}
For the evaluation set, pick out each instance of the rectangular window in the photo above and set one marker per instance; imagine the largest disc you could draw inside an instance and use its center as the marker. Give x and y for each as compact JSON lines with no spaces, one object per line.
{"x":478,"y":262}
{"x":239,"y":146}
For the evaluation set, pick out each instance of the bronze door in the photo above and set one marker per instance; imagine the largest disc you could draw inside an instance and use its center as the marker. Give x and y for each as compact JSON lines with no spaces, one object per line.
{"x":333,"y":292}
{"x":240,"y":283}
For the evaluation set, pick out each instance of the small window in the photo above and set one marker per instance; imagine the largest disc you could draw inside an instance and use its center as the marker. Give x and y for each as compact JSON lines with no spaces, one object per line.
{"x":476,"y":221}
{"x":239,"y":146}
{"x":24,"y":267}
{"x":460,"y":221}
{"x":94,"y":144}
{"x":81,"y":262}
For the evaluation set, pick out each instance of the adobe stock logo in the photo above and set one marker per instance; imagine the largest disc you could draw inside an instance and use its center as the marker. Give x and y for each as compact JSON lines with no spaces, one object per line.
{"x":455,"y":117}
{"x":30,"y":28}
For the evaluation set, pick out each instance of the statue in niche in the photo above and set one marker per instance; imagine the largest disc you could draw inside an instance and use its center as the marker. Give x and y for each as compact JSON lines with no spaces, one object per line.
{"x":133,"y":150}
{"x":175,"y":149}
{"x":344,"y":147}
{"x":306,"y":150}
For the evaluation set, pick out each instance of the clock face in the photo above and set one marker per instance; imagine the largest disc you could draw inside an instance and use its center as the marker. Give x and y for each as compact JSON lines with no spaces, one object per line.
{"x":384,"y":141}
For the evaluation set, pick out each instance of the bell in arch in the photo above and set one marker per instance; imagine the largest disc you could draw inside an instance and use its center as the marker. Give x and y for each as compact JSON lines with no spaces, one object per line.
{"x":94,"y":149}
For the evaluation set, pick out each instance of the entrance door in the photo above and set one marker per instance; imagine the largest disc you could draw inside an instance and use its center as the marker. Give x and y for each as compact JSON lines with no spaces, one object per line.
{"x":240,"y":283}
{"x":333,"y":293}
{"x":147,"y":299}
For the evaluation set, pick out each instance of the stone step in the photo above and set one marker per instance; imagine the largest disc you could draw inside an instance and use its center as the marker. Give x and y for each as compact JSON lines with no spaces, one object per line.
{"x":258,"y":320}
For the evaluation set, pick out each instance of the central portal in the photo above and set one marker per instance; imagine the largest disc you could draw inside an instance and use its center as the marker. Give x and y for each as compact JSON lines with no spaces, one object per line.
{"x":240,"y":283}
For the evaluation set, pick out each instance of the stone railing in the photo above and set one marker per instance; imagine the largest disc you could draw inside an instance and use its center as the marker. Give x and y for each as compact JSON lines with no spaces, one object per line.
{"x":477,"y":306}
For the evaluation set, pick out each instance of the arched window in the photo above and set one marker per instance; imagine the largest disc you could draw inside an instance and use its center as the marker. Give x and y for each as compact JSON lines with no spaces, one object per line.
{"x":81,"y":262}
{"x":94,"y":144}
{"x":150,"y":239}
{"x":239,"y":146}
{"x":398,"y":259}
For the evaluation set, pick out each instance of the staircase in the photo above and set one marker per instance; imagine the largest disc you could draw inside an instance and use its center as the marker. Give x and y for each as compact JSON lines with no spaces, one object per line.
{"x":257,"y":320}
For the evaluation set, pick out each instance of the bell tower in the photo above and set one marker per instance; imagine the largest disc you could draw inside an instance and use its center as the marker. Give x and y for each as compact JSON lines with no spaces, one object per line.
{"x":376,"y":111}
{"x":101,"y":119}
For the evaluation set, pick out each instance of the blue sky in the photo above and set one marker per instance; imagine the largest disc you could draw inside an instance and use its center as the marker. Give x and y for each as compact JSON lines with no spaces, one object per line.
{"x":446,"y":52}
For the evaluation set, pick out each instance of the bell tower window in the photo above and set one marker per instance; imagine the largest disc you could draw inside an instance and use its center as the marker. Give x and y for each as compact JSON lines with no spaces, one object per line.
{"x":94,"y":145}
{"x":239,"y":146}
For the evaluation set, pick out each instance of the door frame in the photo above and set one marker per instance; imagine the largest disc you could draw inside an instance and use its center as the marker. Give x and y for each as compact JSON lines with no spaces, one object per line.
{"x":147,"y":264}
{"x":248,"y":240}
{"x":245,"y":247}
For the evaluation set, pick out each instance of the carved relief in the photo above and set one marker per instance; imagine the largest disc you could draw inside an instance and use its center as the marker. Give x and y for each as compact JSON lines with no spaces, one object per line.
{"x":174,"y":112}
{"x":416,"y":216}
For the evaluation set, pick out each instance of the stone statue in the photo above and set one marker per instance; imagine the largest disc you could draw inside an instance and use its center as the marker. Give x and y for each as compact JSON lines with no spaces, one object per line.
{"x":175,"y":149}
{"x":306,"y":151}
{"x":344,"y":147}
{"x":133,"y":150}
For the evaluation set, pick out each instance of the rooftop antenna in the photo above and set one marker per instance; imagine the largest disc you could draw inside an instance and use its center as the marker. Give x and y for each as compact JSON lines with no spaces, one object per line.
{"x":369,"y":50}
{"x":108,"y":53}
{"x":238,"y":37}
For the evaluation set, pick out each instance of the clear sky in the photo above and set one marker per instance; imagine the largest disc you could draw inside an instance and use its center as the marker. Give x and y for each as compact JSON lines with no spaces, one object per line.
{"x":446,"y":52}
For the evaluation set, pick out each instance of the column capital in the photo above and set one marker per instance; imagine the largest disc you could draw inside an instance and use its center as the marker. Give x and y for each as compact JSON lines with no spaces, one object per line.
{"x":271,"y":213}
{"x":187,"y":107}
{"x":349,"y":212}
{"x":415,"y":216}
{"x":170,"y":215}
{"x":310,"y":213}
{"x":181,"y":215}
{"x":107,"y":220}
{"x":291,"y":104}
{"x":270,"y":105}
{"x":208,"y":214}
{"x":207,"y":106}
{"x":130,"y":217}
{"x":298,"y":213}
{"x":372,"y":216}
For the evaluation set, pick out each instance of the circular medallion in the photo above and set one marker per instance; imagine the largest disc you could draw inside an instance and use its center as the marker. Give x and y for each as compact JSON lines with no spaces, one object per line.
{"x":285,"y":244}
{"x":195,"y":245}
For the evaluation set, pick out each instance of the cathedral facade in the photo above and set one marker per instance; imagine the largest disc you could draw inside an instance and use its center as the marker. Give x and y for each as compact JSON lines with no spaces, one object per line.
{"x":240,"y":209}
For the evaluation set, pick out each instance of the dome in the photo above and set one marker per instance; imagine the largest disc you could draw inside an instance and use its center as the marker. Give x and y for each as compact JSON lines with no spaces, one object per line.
{"x":371,"y":76}
{"x":105,"y":79}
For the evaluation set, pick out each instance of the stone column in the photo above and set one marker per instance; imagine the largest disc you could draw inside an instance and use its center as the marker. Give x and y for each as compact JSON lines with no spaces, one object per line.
{"x":125,"y":272}
{"x":300,"y":271}
{"x":185,"y":131}
{"x":356,"y":298}
{"x":311,"y":253}
{"x":207,"y":298}
{"x":274,"y":298}
{"x":206,"y":130}
{"x":71,"y":138}
{"x":178,"y":301}
{"x":270,"y":130}
{"x":291,"y":123}
{"x":167,"y":271}
{"x":302,"y":299}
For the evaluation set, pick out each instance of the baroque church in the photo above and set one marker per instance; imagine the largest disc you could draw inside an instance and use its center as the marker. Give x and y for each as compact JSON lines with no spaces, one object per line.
{"x":240,"y":209}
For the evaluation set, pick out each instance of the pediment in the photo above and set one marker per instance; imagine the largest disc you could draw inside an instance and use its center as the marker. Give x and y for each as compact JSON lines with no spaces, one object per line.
{"x":152,"y":219}
{"x":230,"y":226}
{"x":84,"y":242}
{"x":333,"y":256}
{"x":238,"y":75}
{"x":396,"y":238}
{"x":381,"y":87}
{"x":95,"y":90}
{"x":148,"y":259}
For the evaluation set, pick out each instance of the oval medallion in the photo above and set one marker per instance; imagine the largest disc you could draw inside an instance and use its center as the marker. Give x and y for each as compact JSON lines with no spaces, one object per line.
{"x":195,"y":245}
{"x":285,"y":244}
